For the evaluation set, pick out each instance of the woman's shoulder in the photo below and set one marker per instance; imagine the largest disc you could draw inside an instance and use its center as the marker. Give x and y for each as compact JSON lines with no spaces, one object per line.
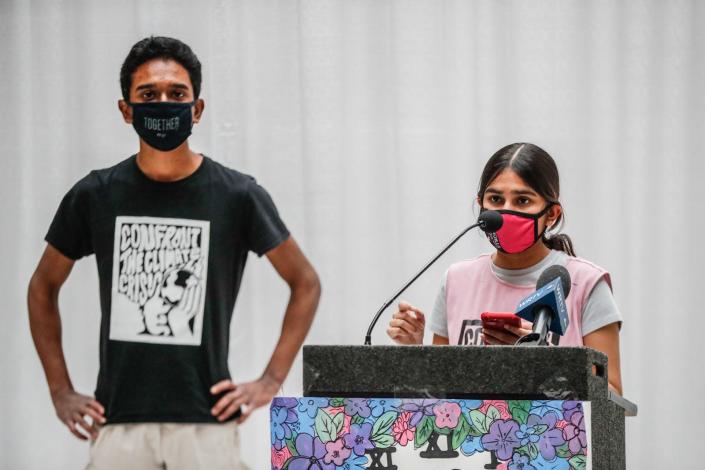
{"x":472,"y":264}
{"x":582,"y":271}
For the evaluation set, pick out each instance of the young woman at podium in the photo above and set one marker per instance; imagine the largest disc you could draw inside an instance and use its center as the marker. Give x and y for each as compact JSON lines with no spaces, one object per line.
{"x":521,"y":182}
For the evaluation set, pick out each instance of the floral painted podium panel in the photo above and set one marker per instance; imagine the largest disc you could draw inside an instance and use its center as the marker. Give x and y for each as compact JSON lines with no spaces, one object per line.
{"x":313,"y":433}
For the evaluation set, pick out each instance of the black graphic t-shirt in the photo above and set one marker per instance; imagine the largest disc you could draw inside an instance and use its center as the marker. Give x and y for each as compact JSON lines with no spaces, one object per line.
{"x":170,"y":260}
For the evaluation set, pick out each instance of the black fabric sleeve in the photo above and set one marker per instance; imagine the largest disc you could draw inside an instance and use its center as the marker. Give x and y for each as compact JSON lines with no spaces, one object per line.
{"x":265,"y":229}
{"x":69,"y":232}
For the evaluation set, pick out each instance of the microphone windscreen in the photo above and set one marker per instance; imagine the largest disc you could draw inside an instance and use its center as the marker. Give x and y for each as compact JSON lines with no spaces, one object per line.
{"x":552,"y":272}
{"x":490,"y":221}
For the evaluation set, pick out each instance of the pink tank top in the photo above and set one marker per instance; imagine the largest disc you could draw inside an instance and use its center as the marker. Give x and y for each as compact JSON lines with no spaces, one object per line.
{"x":472,"y":288}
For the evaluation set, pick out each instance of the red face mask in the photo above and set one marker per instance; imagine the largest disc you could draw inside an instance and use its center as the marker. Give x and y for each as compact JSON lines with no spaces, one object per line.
{"x":518,"y":232}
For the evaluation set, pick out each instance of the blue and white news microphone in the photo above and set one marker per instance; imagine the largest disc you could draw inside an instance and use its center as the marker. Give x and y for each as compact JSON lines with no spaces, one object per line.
{"x":546,"y":307}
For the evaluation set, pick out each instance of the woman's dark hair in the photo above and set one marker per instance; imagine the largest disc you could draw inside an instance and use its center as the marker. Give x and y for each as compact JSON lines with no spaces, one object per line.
{"x":159,"y":47}
{"x":536,"y":167}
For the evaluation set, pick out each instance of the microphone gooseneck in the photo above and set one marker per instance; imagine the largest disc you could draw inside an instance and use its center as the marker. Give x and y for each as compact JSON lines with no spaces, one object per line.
{"x":488,"y":221}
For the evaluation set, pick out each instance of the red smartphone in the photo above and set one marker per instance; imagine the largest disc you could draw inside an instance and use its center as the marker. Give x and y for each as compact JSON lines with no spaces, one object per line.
{"x":497,"y":320}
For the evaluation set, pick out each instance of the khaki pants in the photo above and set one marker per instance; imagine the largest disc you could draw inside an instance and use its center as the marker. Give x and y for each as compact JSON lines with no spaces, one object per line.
{"x":171,"y":446}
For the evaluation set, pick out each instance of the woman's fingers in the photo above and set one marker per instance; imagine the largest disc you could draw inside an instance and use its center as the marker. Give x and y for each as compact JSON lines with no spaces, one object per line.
{"x":496,"y":336}
{"x":415,"y":318}
{"x":519,"y":332}
{"x":408,"y":327}
{"x":401,"y":336}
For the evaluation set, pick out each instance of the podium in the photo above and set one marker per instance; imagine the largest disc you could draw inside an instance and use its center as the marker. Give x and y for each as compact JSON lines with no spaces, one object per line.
{"x":477,"y":373}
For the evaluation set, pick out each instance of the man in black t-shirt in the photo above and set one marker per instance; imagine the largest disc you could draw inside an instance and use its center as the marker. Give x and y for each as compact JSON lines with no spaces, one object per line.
{"x":171,"y":230}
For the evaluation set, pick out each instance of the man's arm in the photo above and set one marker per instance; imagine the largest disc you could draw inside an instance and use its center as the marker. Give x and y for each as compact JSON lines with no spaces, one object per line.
{"x":294,"y":268}
{"x":45,"y":324}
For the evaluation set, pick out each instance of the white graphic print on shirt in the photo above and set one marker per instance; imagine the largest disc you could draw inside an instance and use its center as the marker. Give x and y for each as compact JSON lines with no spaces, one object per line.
{"x":159,"y":280}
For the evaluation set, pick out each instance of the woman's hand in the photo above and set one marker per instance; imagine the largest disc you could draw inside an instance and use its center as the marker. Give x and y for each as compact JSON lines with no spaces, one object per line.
{"x":507,"y":335}
{"x":407,"y":325}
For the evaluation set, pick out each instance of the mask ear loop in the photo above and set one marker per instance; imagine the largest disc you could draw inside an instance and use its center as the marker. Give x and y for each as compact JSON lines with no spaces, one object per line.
{"x":536,"y":217}
{"x":556,"y":225}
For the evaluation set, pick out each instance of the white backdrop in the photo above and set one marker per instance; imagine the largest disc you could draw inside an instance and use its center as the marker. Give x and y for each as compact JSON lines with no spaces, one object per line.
{"x":369,"y":122}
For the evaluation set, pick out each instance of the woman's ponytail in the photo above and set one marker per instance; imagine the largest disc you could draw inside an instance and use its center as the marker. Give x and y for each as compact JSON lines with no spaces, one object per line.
{"x":560,"y":242}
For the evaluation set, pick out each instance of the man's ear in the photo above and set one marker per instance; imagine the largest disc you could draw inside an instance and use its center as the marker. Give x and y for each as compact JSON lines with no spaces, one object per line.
{"x":198,"y":110}
{"x":126,"y":111}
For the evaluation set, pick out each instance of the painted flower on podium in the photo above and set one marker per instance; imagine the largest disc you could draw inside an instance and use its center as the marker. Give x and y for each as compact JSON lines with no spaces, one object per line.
{"x":574,"y":433}
{"x":520,"y":462}
{"x":358,"y":439}
{"x":555,"y":463}
{"x":471,"y":445}
{"x":281,"y":417}
{"x":570,"y":407}
{"x":382,"y":405}
{"x":447,"y":414}
{"x":402,"y":431}
{"x":501,"y":405}
{"x":336,"y":452}
{"x":502,"y":438}
{"x":310,"y":405}
{"x":551,"y":437}
{"x":357,"y":406}
{"x":279,"y":457}
{"x":541,"y":407}
{"x":356,"y":462}
{"x":419,"y":409}
{"x":311,"y":454}
{"x":528,"y":434}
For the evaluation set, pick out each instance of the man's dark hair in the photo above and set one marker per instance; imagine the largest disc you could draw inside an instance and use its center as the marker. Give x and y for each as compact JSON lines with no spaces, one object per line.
{"x":160,"y":47}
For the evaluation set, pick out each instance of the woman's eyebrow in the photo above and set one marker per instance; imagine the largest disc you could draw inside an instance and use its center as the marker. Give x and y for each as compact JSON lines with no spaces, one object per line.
{"x":519,"y":192}
{"x":523,"y":192}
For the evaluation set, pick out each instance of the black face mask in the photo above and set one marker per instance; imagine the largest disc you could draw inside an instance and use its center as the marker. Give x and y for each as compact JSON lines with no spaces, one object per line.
{"x":163,"y":125}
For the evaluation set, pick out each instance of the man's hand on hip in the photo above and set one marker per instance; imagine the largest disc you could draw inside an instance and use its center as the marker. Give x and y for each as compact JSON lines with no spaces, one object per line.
{"x":247,"y":396}
{"x":72,"y":408}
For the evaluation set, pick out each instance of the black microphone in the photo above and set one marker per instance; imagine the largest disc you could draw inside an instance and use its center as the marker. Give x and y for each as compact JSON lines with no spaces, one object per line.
{"x":489,"y":221}
{"x":546,"y":307}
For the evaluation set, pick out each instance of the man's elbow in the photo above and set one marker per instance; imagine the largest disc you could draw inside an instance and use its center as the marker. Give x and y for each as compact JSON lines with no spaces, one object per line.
{"x":308,"y":283}
{"x":313,"y":283}
{"x":39,"y":291}
{"x":34,"y":288}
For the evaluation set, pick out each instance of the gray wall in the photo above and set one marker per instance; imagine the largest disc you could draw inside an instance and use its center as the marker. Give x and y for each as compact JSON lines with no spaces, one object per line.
{"x":369,"y":122}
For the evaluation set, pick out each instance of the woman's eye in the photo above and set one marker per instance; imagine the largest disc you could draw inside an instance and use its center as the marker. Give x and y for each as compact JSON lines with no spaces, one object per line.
{"x":524,"y":201}
{"x":495,"y":199}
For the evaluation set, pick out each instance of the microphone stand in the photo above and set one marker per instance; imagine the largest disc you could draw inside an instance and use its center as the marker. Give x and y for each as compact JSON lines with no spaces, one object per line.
{"x":368,"y":336}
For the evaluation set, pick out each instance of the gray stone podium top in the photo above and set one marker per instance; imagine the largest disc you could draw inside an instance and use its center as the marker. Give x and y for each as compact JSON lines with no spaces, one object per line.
{"x":483,"y":372}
